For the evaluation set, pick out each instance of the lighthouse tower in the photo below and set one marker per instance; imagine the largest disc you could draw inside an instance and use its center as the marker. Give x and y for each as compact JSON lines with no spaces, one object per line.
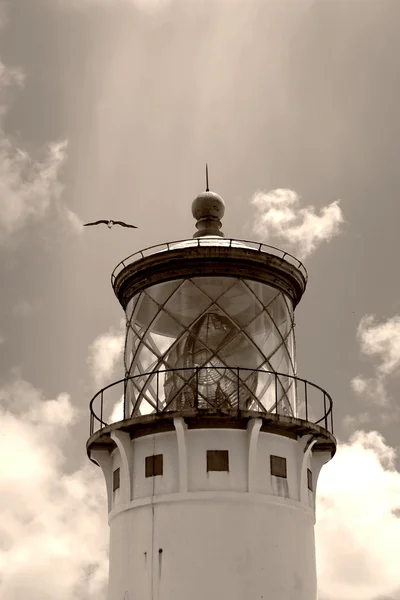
{"x":211,"y":471}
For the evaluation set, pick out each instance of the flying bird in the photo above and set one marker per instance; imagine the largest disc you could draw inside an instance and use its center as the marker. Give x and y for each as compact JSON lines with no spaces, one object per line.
{"x":110,"y":223}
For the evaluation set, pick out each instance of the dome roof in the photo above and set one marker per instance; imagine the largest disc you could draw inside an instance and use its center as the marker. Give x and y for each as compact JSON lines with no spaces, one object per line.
{"x":208,"y":204}
{"x":208,"y":209}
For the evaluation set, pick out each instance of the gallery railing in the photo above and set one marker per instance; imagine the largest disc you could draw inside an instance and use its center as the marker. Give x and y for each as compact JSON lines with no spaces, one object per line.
{"x":213,"y":389}
{"x":209,"y":241}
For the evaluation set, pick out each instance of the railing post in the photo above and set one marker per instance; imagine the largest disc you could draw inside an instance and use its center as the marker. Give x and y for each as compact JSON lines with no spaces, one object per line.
{"x":325,"y":417}
{"x":276,"y":393}
{"x":125,"y":396}
{"x":331,"y":419}
{"x":157,"y":388}
{"x":101,"y":409}
{"x":306,"y":399}
{"x":238,"y":389}
{"x":196,"y":398}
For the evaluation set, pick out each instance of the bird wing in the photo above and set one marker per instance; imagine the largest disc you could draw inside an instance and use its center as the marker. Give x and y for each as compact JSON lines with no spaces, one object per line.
{"x":97,"y":222}
{"x":124,"y":224}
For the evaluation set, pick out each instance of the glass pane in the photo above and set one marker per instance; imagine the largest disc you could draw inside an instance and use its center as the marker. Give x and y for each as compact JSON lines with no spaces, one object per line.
{"x":131,"y":307}
{"x":130,"y":345}
{"x":264,"y":293}
{"x":166,"y":327}
{"x":160,"y":342}
{"x":180,"y":389}
{"x":214,"y":330}
{"x":263,"y":333}
{"x":240,"y":352}
{"x":240,"y":304}
{"x":187,"y":303}
{"x":280,"y":361}
{"x":145,"y":312}
{"x":178,"y":355}
{"x":162,"y":291}
{"x":278,"y":312}
{"x":266,"y":390}
{"x":145,"y":359}
{"x":214,"y":287}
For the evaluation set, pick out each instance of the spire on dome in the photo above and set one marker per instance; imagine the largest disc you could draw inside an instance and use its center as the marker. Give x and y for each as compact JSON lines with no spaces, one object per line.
{"x":208,"y":209}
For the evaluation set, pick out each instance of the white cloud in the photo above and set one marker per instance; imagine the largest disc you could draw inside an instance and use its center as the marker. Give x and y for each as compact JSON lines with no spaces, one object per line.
{"x":117,"y":413}
{"x":371,"y":387}
{"x":380,"y":340}
{"x":104,"y":354}
{"x":28,"y":186}
{"x":279,"y":214}
{"x":10,"y":76}
{"x":352,"y":422}
{"x":53,"y":525}
{"x":357,"y":529}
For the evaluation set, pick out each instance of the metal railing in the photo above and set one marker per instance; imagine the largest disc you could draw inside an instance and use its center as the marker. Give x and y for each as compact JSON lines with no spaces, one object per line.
{"x":209,"y":241}
{"x":148,"y":393}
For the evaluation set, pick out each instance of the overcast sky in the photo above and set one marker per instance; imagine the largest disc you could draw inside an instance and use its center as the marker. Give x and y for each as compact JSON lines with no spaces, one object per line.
{"x":109,"y":109}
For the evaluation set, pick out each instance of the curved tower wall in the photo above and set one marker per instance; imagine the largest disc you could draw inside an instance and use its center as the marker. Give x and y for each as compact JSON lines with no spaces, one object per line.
{"x":193,"y":533}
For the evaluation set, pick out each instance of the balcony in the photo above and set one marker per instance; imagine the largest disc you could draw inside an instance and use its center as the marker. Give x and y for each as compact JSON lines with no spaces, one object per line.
{"x":231,"y":392}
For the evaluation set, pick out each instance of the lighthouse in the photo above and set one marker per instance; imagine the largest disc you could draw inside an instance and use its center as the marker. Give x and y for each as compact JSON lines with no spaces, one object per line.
{"x":211,"y":471}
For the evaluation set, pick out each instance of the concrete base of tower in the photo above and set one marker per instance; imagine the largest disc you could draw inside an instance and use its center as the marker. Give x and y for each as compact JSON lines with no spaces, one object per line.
{"x":213,"y":546}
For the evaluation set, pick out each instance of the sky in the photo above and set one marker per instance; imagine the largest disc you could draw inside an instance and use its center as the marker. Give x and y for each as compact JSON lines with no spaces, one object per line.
{"x":110,"y":109}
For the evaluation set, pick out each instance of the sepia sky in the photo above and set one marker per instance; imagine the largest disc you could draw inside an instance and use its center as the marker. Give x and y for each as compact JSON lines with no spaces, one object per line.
{"x":110,"y":109}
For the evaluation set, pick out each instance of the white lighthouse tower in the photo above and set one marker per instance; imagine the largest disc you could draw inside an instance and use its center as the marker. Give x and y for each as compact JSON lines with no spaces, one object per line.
{"x":211,"y":474}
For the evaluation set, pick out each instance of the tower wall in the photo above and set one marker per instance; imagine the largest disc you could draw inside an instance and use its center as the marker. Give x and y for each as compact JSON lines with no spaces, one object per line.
{"x":192,"y":533}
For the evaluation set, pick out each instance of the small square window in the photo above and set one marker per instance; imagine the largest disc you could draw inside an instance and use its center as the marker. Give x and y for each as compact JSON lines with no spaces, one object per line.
{"x":116,"y":479}
{"x":154,"y":465}
{"x":278,"y":466}
{"x":217,"y":460}
{"x":309,"y":480}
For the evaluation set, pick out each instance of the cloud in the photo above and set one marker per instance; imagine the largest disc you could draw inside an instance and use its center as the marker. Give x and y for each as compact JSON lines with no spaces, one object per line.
{"x":117,"y":413}
{"x":278,"y":214}
{"x":28,"y":186}
{"x":53,"y":525}
{"x":10,"y":77}
{"x":380,"y":340}
{"x":357,"y":528}
{"x":351,"y":422}
{"x":23,"y":308}
{"x":104,"y":354}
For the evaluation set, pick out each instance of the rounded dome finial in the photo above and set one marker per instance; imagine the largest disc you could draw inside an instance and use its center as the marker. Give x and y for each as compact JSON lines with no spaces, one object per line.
{"x":208,"y":209}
